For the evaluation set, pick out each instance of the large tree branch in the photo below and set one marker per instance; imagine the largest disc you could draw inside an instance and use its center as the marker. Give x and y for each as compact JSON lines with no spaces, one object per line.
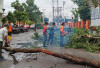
{"x":66,"y":56}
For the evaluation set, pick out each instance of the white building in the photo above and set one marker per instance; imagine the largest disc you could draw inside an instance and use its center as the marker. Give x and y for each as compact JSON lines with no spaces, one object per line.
{"x":95,"y":17}
{"x":95,"y":13}
{"x":1,"y":12}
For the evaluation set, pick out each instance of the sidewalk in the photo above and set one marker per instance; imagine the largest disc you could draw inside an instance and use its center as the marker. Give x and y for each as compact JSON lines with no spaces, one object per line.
{"x":76,"y":52}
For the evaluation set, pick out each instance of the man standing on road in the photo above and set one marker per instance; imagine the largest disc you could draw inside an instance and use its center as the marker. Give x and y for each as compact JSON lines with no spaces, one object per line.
{"x":51,"y":34}
{"x":62,"y":34}
{"x":45,"y":34}
{"x":3,"y":36}
{"x":9,"y":31}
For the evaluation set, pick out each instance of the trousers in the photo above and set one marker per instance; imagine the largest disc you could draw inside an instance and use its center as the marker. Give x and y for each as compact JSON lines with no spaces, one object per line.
{"x":1,"y":43}
{"x":50,"y":40}
{"x":61,"y":40}
{"x":44,"y":40}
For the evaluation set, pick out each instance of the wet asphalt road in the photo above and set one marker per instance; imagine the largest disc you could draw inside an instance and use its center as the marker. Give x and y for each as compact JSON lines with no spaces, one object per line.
{"x":39,"y":60}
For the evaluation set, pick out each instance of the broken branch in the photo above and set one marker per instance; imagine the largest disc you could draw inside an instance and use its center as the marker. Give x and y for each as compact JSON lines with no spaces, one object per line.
{"x":78,"y":60}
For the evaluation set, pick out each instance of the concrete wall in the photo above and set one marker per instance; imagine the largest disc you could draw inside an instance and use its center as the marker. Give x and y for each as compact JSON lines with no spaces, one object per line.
{"x":95,"y":22}
{"x":95,"y":17}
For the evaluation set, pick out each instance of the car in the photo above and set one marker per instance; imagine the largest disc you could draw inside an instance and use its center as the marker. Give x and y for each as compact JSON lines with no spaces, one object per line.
{"x":32,"y":26}
{"x":26,"y":28}
{"x":15,"y":29}
{"x":22,"y":29}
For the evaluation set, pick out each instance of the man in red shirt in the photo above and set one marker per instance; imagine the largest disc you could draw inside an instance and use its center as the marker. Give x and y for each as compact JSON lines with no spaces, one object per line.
{"x":62,"y":34}
{"x":45,"y":34}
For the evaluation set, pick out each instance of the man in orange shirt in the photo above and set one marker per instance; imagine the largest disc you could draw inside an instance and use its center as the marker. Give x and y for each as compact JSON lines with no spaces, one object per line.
{"x":45,"y":34}
{"x":62,"y":34}
{"x":9,"y":31}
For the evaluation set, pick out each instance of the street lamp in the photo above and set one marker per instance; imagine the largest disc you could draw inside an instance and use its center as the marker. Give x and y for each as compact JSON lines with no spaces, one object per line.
{"x":3,"y":10}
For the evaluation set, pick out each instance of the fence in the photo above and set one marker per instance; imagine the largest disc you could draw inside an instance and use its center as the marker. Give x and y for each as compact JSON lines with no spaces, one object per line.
{"x":80,"y":24}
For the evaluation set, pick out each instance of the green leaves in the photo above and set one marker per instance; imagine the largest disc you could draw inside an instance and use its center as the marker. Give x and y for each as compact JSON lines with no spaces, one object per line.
{"x":83,"y":9}
{"x":4,"y":19}
{"x":33,"y":11}
{"x":77,"y":41}
{"x":75,"y":13}
{"x":11,"y":17}
{"x":26,"y":11}
{"x":95,"y":2}
{"x":16,"y":5}
{"x":21,"y":16}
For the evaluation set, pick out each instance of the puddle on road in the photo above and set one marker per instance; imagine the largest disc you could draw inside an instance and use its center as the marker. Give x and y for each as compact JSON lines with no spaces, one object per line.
{"x":30,"y":44}
{"x":25,"y":44}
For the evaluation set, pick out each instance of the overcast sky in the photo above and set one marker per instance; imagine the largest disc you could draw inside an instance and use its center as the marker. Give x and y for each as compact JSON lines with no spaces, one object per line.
{"x":44,"y":4}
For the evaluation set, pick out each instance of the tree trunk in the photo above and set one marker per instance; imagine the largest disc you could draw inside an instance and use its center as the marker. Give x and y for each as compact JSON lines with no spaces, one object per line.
{"x":78,"y":60}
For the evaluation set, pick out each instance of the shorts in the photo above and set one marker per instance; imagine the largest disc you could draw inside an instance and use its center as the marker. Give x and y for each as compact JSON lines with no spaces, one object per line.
{"x":9,"y":33}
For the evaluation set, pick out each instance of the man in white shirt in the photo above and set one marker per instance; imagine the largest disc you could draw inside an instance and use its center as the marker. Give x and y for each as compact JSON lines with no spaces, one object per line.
{"x":3,"y":36}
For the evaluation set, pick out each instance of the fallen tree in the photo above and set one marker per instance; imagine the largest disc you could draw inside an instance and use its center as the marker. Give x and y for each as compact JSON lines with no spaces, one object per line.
{"x":78,"y":60}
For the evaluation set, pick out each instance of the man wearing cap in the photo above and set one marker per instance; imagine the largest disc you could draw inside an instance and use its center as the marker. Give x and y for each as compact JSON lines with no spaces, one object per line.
{"x":51,"y":34}
{"x":3,"y":36}
{"x":62,"y":34}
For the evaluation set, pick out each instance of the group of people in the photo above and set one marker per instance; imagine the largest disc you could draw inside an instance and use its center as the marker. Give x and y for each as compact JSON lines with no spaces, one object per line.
{"x":48,"y":34}
{"x":5,"y":36}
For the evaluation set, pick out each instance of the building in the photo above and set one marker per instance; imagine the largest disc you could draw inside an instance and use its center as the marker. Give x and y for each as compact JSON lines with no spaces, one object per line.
{"x":95,"y":12}
{"x":1,"y":11}
{"x":95,"y":16}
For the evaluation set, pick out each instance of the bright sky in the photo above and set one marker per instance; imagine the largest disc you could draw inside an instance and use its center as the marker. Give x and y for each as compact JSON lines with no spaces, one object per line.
{"x":44,"y":4}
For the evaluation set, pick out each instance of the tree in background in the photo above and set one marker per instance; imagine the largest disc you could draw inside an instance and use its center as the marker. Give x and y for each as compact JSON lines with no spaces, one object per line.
{"x":16,"y":5}
{"x":33,"y":11}
{"x":4,"y":19}
{"x":29,"y":22}
{"x":75,"y":13}
{"x":93,"y":3}
{"x":11,"y":17}
{"x":29,"y":9}
{"x":83,"y":9}
{"x":21,"y":16}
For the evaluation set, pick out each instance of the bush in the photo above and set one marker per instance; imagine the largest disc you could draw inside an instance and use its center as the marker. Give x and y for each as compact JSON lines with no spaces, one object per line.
{"x":79,"y":42}
{"x":37,"y":37}
{"x":39,"y":26}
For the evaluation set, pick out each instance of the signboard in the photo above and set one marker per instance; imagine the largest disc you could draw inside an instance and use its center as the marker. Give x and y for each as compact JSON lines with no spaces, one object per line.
{"x":46,"y":19}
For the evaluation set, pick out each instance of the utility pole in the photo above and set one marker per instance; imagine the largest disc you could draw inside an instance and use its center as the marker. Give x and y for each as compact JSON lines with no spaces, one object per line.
{"x":60,"y":11}
{"x":63,"y":10}
{"x":55,"y":8}
{"x":43,"y":14}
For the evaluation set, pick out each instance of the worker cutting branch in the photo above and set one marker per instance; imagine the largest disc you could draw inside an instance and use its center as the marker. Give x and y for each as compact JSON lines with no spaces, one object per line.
{"x":62,"y":34}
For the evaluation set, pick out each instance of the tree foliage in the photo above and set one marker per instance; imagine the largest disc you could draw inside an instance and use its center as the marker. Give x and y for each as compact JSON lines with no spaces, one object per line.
{"x":16,"y":5}
{"x":21,"y":16}
{"x":83,"y":9}
{"x":29,"y":22}
{"x":33,"y":11}
{"x":93,"y":3}
{"x":75,"y":13}
{"x":4,"y":19}
{"x":28,"y":9}
{"x":11,"y":17}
